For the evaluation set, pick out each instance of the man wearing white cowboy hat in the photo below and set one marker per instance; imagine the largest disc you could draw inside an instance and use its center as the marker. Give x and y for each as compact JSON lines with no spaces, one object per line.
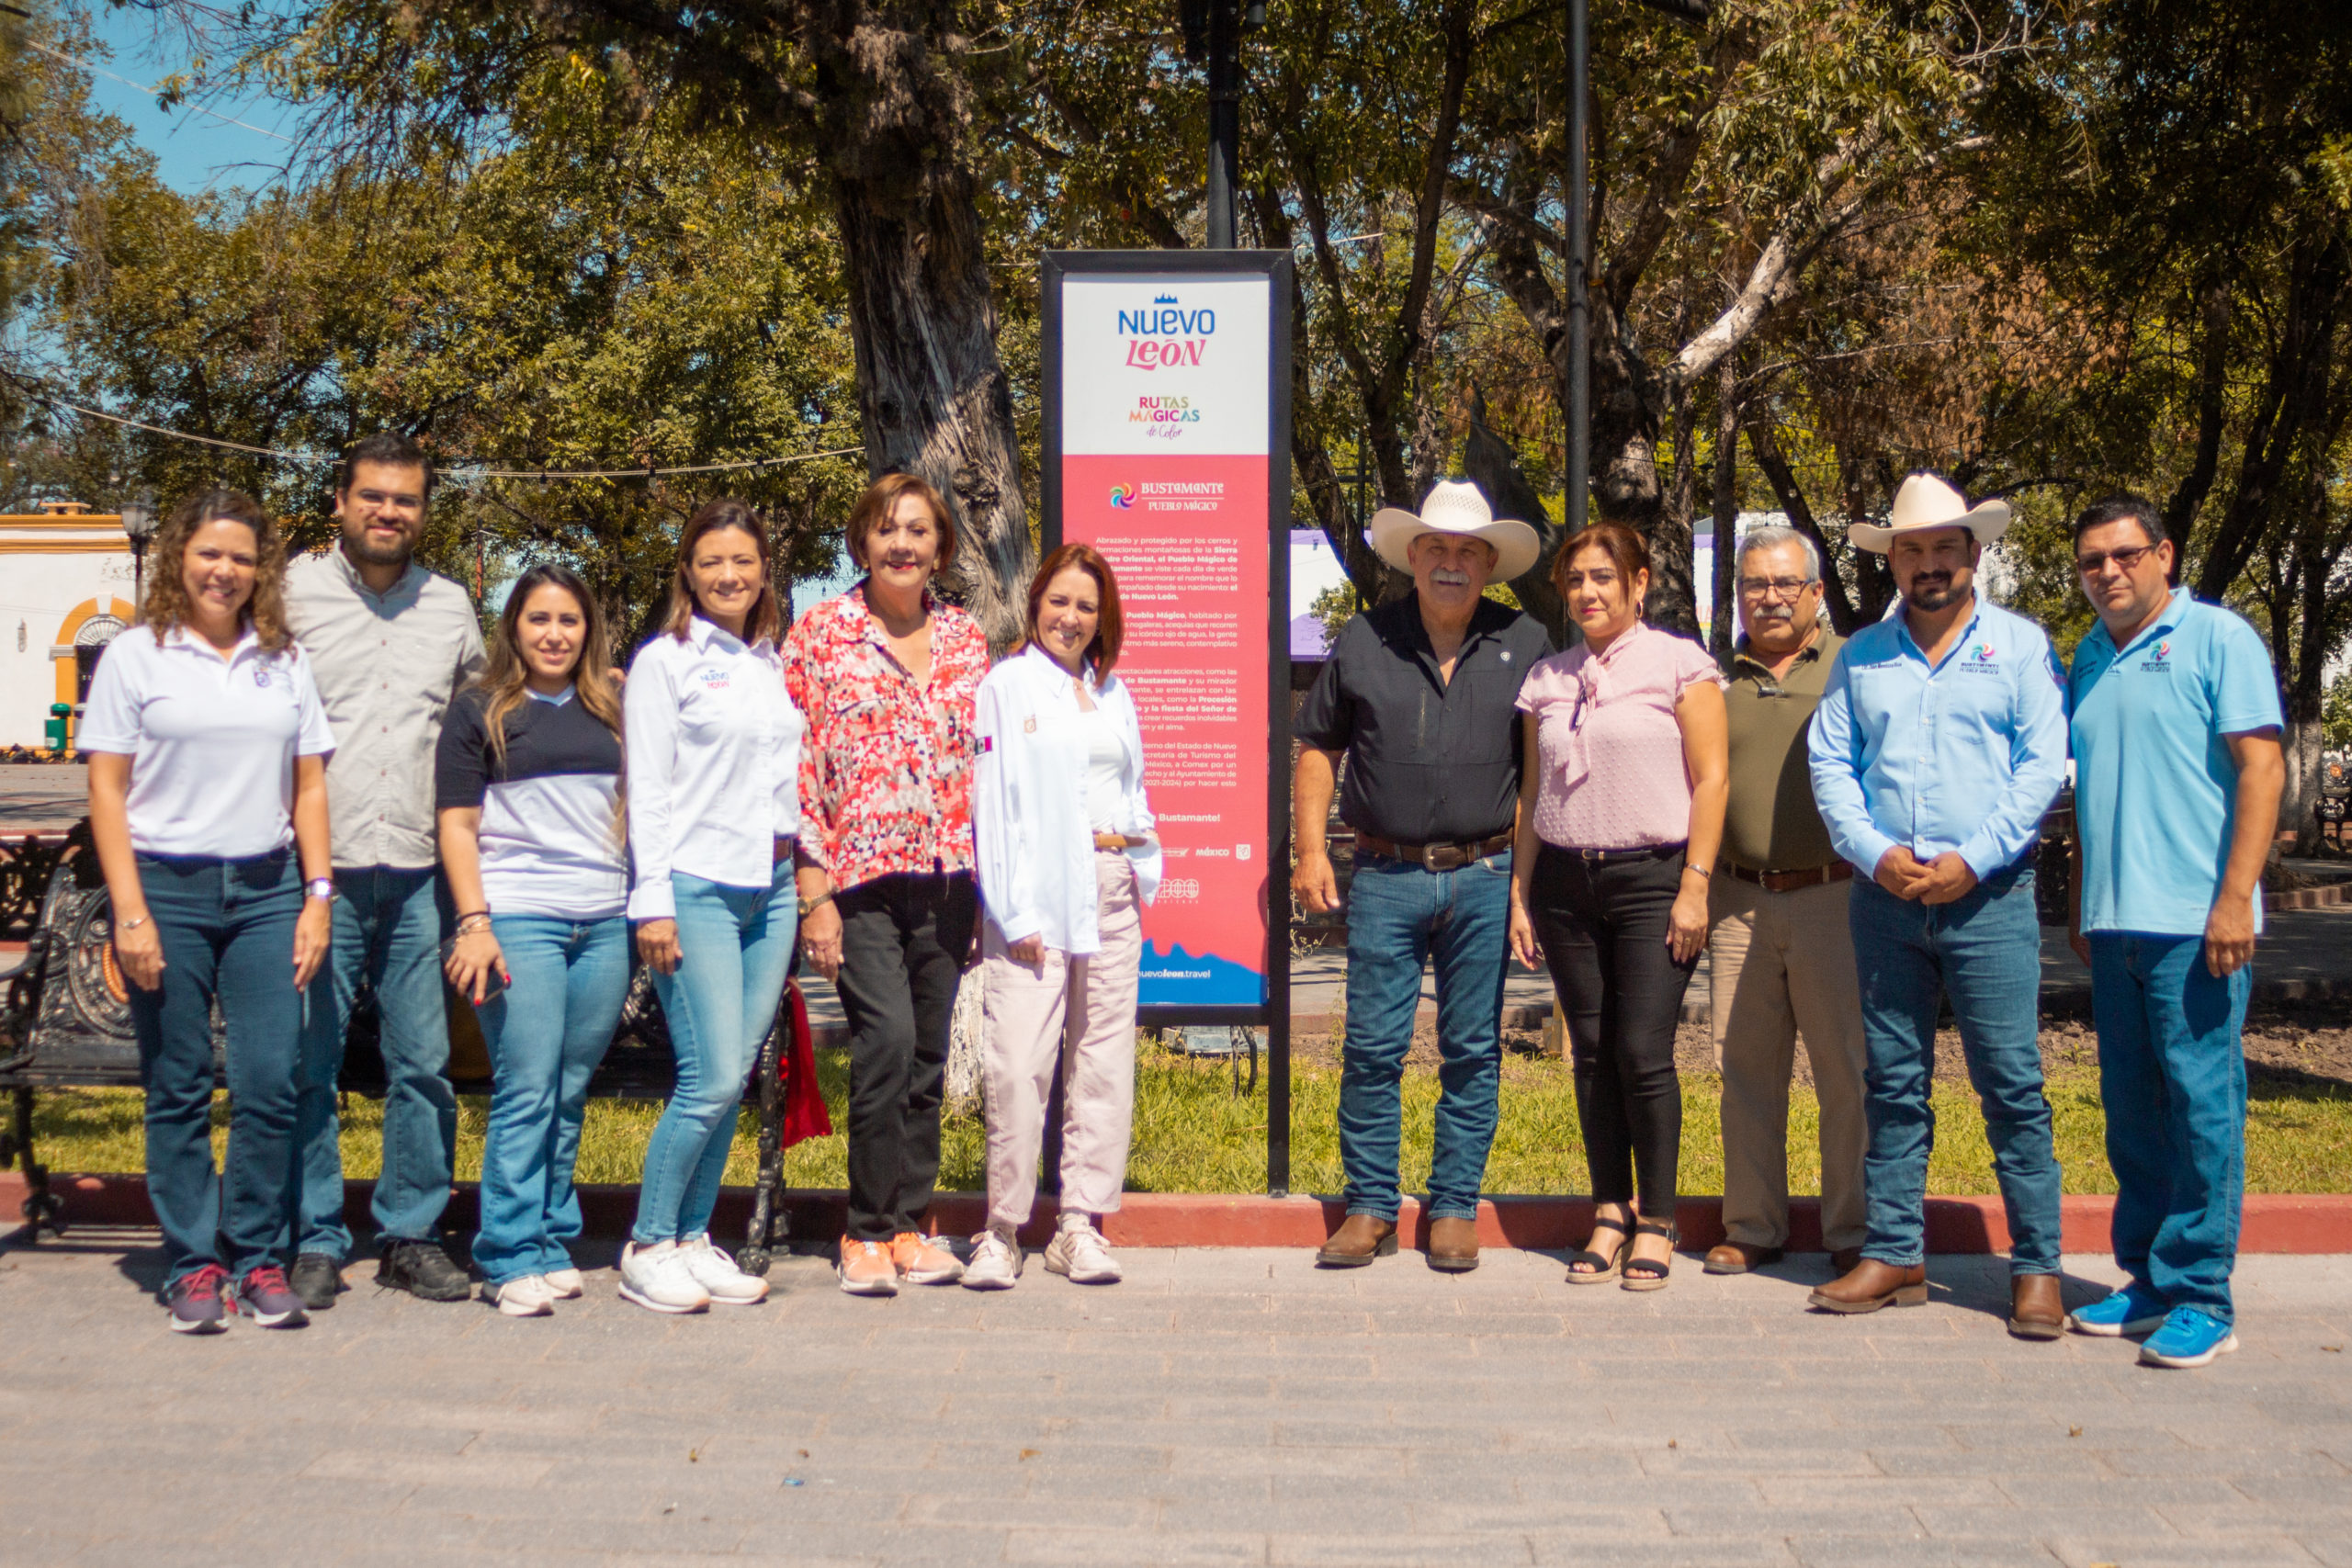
{"x":1939,"y":743}
{"x":1418,"y":694}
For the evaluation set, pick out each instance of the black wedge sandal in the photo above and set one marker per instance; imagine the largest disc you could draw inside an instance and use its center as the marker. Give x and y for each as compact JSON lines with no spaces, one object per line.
{"x":1600,"y":1268}
{"x":1640,"y":1273}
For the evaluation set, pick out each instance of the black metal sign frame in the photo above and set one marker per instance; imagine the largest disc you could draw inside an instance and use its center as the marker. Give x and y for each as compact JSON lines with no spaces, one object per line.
{"x":1274,"y":267}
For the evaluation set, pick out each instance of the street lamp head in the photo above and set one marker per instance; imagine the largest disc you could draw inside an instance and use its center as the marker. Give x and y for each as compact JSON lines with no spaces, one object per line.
{"x":139,"y":519}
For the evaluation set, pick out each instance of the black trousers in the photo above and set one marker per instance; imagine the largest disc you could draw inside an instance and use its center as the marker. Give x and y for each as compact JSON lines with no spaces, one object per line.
{"x":1603,"y":928}
{"x":904,"y":940}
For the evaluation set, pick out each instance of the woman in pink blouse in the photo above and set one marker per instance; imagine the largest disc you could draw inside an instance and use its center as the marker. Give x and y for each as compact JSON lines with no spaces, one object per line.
{"x":1631,"y":761}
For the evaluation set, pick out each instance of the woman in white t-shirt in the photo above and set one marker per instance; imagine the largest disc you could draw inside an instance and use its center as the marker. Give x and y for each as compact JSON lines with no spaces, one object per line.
{"x":1067,"y":862}
{"x":528,"y":782}
{"x":208,"y":747}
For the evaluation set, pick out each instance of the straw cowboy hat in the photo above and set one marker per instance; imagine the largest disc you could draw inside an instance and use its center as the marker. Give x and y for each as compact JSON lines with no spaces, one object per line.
{"x":1926,"y":501}
{"x":1455,"y":506}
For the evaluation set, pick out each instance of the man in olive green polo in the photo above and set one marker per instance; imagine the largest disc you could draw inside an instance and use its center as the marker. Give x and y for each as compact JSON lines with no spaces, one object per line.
{"x":1779,"y":959}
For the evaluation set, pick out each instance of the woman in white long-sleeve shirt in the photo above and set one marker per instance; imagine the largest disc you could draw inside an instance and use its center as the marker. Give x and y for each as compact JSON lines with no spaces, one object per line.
{"x":1066,"y":861}
{"x":714,"y":806}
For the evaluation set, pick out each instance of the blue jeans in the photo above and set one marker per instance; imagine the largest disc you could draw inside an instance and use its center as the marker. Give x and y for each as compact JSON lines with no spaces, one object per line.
{"x":1400,"y":917}
{"x":737,"y":944}
{"x":2173,"y":1078}
{"x":227,"y":927}
{"x":546,"y":1032}
{"x":388,"y":933}
{"x":1985,"y":951}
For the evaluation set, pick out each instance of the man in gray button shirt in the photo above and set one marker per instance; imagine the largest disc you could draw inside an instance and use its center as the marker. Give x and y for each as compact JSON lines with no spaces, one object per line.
{"x":390,"y":644}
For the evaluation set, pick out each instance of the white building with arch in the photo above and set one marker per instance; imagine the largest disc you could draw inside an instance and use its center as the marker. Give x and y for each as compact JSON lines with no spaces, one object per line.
{"x":66,"y":590}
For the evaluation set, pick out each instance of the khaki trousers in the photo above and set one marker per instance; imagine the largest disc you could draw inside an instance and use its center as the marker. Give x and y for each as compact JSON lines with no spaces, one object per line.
{"x":1080,"y":1012}
{"x":1781,"y":965}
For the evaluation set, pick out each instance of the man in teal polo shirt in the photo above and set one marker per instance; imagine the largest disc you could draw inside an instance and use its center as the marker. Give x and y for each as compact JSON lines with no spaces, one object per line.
{"x":2175,"y":721}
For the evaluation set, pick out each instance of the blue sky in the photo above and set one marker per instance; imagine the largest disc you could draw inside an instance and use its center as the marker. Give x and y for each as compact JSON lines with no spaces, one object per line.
{"x":194,"y":151}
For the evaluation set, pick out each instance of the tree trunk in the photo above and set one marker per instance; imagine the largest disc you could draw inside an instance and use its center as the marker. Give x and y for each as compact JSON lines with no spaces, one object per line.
{"x":932,"y":388}
{"x":1673,"y":600}
{"x":1488,"y":462}
{"x":1722,"y":627}
{"x":2305,"y":745}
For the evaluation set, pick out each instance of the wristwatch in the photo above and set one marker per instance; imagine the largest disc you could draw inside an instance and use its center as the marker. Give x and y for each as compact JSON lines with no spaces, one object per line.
{"x":320,"y":887}
{"x":810,"y":905}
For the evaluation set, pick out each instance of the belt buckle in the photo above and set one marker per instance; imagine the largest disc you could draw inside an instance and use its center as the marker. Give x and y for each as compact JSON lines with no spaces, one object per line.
{"x":1443,"y":857}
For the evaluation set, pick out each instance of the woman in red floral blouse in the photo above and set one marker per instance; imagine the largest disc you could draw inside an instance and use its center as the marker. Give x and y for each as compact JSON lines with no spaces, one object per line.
{"x":887,"y":675}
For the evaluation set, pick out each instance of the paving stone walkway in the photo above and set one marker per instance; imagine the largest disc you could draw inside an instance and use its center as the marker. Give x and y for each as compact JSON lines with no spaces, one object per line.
{"x":1221,"y":1406}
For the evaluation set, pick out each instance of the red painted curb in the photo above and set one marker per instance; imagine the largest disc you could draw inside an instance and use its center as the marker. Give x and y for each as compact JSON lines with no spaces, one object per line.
{"x":2304,"y":1224}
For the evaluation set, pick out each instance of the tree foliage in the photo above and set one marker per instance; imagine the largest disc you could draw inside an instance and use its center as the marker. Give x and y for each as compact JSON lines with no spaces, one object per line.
{"x":2049,"y":248}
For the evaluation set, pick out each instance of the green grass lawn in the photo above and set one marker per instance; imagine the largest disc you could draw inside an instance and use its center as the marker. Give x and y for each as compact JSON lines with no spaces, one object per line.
{"x":1193,"y":1133}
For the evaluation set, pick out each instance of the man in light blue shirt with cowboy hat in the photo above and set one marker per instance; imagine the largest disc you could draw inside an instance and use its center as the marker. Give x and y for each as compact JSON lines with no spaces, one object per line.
{"x":1939,"y":743}
{"x":2178,"y":776}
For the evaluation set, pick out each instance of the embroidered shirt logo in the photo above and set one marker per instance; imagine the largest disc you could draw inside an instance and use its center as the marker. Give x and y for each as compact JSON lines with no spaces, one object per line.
{"x":1029,"y":725}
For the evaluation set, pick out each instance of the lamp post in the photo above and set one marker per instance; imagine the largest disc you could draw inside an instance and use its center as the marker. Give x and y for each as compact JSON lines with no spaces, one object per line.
{"x":139,"y":524}
{"x":1213,"y":30}
{"x":1580,"y":477}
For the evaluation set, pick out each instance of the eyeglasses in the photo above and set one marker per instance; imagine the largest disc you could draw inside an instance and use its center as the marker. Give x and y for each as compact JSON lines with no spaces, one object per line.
{"x":1756,"y":587}
{"x":2129,"y":559}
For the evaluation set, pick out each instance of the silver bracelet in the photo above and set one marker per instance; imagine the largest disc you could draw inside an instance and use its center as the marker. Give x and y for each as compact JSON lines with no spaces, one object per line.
{"x":131,"y":925}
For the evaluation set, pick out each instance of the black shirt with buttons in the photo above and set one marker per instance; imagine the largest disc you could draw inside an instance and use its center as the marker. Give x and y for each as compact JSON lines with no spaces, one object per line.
{"x":1430,"y":760}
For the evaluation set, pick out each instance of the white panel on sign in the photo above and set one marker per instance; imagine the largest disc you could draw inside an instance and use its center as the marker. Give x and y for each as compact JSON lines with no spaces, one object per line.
{"x":1168,"y":364}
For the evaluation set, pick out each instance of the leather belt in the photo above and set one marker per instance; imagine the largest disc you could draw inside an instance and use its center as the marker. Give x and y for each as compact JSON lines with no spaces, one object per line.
{"x":1790,"y":881}
{"x":1618,"y":857}
{"x":1433,"y":857}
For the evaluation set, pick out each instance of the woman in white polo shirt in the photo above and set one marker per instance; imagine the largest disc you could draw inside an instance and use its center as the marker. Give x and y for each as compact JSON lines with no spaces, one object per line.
{"x":1067,"y":862}
{"x":714,"y":808}
{"x":528,"y":779}
{"x":208,"y":748}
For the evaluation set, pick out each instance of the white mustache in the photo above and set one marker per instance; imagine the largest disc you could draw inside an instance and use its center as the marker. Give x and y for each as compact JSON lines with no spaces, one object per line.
{"x":1444,"y":578}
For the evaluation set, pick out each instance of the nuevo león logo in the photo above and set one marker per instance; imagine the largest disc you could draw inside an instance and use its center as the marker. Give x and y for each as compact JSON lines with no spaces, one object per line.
{"x":1166,"y":334}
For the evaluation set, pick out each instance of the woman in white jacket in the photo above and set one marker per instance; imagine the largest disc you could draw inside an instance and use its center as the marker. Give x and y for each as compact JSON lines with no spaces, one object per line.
{"x":1067,"y":862}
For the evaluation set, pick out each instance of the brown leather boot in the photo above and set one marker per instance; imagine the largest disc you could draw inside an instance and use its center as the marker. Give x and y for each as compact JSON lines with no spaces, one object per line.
{"x":1872,"y":1285}
{"x":1740,"y":1258}
{"x":1359,"y":1240}
{"x":1454,"y":1245}
{"x":1845,"y":1260}
{"x":2036,"y":1309}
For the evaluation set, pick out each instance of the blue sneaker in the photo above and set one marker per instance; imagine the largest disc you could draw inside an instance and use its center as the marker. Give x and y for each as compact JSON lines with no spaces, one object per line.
{"x":2190,"y":1337}
{"x":2135,"y":1309}
{"x":200,"y":1301}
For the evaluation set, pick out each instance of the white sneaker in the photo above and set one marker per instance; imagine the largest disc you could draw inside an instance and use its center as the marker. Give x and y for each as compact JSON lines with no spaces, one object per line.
{"x":567,"y":1285}
{"x":656,"y":1278}
{"x":995,"y":1263}
{"x":1079,"y":1251}
{"x":530,"y":1296}
{"x":715,"y":1272}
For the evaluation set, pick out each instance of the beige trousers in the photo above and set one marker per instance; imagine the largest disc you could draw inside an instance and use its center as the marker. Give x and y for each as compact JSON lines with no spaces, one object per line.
{"x":1781,"y":965}
{"x":1080,"y":1012}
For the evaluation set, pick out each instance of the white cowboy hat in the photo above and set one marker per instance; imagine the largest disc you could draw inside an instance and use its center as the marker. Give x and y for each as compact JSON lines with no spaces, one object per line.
{"x":1455,"y":506}
{"x":1926,"y":501}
